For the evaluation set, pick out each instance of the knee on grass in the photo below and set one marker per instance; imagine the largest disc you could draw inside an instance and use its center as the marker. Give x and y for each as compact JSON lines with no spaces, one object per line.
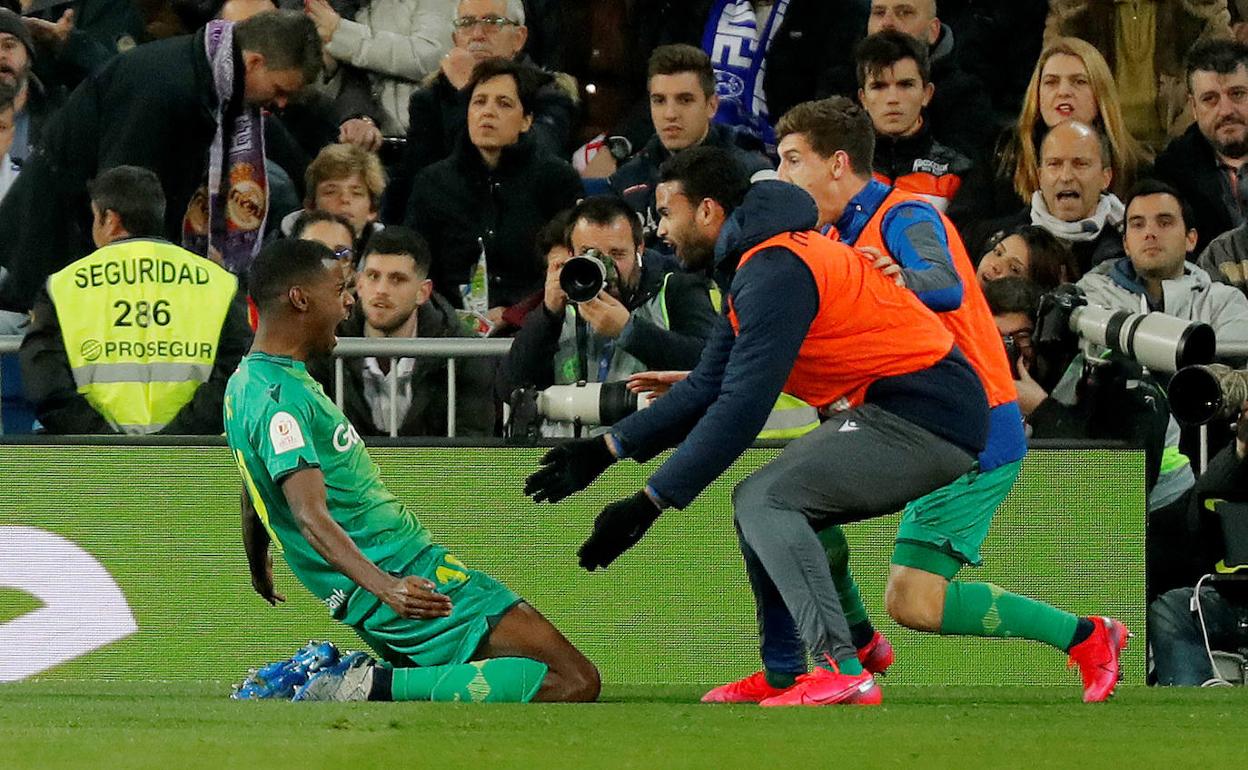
{"x":577,"y":683}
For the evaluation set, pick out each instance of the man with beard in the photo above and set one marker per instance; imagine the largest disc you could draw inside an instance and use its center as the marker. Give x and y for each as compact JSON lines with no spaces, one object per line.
{"x":396,"y":299}
{"x":649,"y":316}
{"x":32,"y":104}
{"x":1206,"y":164}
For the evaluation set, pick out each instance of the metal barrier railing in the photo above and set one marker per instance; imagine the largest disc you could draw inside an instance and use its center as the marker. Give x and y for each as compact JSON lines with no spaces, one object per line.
{"x":467,"y":347}
{"x":393,"y":348}
{"x":386,"y":347}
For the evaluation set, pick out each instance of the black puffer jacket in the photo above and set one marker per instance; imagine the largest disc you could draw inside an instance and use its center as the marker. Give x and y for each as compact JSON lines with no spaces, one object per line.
{"x":437,"y":114}
{"x":462,"y":207}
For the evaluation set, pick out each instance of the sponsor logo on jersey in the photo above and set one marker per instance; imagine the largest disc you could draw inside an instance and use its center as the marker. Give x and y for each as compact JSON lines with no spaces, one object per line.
{"x":345,"y":437}
{"x":336,"y":599}
{"x":284,"y":433}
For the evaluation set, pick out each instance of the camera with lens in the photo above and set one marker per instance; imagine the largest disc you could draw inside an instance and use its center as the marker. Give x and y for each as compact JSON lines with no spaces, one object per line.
{"x":1160,"y":342}
{"x":580,"y":405}
{"x":1202,"y":394}
{"x":587,"y":274}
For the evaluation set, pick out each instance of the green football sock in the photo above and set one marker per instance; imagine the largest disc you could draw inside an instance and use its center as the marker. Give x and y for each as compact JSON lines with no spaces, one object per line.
{"x":837,"y":548}
{"x":850,"y":666}
{"x":982,"y":609}
{"x":494,"y":680}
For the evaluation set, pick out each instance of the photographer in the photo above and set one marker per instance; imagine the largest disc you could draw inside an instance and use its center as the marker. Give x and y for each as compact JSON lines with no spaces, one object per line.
{"x":1156,"y":276}
{"x":649,"y":315}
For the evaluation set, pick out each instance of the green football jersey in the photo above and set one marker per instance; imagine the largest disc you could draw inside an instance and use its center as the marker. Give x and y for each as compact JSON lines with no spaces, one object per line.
{"x":278,"y":420}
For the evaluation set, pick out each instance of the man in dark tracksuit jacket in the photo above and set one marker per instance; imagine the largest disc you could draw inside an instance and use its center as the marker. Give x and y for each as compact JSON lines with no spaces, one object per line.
{"x":813,"y":318}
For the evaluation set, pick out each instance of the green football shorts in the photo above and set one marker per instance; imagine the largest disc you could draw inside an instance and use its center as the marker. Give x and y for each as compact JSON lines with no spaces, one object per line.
{"x":478,"y":601}
{"x":943,"y":530}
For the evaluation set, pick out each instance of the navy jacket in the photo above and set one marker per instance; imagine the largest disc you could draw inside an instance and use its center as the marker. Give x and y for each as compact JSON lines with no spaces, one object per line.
{"x":716,"y":413}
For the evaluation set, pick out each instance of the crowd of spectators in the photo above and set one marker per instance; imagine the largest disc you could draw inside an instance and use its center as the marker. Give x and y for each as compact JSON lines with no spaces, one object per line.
{"x":454,"y":154}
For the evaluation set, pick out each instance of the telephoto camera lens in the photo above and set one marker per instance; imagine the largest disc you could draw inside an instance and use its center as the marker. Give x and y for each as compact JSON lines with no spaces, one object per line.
{"x":583,"y":276}
{"x":1202,"y":394}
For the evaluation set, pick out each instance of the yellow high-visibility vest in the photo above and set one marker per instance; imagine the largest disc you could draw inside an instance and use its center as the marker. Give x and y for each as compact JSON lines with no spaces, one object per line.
{"x":141,"y":320}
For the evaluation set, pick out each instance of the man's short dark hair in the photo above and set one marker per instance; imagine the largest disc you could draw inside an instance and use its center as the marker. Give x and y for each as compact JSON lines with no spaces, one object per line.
{"x":883,"y":50}
{"x":282,"y":264}
{"x":1221,"y":56}
{"x":679,"y":57}
{"x":287,"y":40}
{"x":135,"y":195}
{"x":1012,"y":295}
{"x":1158,"y":187}
{"x":315,"y":216}
{"x":605,"y":210}
{"x":832,"y":125}
{"x":529,"y":79}
{"x":708,"y":172}
{"x":396,"y":239}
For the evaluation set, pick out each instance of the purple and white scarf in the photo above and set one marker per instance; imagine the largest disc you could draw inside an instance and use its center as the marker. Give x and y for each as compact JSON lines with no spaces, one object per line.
{"x":225,"y":219}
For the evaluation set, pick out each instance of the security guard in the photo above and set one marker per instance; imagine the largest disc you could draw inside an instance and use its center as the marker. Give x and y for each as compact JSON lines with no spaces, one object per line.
{"x":139,"y":336}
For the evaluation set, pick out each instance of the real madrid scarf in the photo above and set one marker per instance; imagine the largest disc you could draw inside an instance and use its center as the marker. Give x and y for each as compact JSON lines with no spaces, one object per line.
{"x":738,"y":53}
{"x":225,"y":219}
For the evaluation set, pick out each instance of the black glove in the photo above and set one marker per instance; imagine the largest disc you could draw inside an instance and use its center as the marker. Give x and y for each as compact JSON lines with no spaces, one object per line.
{"x":568,"y":468}
{"x":618,"y":528}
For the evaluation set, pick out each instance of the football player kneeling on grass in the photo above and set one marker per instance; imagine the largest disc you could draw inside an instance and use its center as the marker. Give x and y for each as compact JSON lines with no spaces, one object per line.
{"x":446,"y":632}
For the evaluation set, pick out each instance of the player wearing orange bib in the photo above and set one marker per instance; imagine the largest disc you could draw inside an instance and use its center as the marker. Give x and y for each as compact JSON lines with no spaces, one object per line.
{"x":823,"y":145}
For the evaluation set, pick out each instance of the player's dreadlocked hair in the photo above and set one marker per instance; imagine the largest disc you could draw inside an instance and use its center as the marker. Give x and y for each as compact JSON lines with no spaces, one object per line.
{"x":283,"y":264}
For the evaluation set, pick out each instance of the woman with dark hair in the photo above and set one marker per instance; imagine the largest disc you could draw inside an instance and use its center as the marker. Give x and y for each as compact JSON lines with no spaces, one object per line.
{"x":488,"y":200}
{"x":1028,"y":252}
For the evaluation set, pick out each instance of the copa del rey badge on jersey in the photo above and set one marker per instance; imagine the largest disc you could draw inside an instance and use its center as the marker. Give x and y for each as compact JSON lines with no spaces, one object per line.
{"x":284,"y":433}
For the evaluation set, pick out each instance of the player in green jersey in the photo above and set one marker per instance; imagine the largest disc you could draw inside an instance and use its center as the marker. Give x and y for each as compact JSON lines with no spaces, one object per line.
{"x":448,"y":632}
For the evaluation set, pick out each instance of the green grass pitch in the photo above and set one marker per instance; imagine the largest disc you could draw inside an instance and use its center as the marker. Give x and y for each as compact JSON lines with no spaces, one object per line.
{"x":46,"y":724}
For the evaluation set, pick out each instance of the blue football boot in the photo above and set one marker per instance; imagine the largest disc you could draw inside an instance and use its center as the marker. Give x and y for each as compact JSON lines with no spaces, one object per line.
{"x":281,"y":678}
{"x":350,"y":679}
